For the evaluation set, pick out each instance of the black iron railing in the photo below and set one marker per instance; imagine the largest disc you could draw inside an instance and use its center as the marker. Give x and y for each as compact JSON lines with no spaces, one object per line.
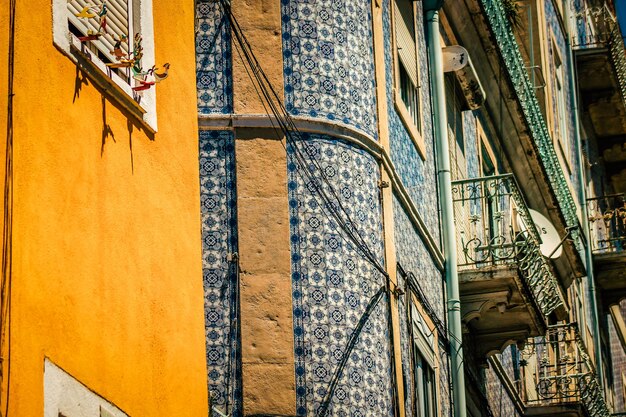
{"x":557,"y":370}
{"x":494,"y":228}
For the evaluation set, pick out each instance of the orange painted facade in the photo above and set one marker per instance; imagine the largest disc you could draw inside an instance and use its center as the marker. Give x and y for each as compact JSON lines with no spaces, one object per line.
{"x":107,"y":279}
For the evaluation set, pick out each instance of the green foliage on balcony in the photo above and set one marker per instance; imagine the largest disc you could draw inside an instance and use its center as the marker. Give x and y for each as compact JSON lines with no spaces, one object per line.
{"x":514,"y":65}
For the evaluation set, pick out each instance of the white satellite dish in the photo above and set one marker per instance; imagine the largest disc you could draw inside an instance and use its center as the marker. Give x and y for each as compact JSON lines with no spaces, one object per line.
{"x":455,"y":57}
{"x":550,"y":239}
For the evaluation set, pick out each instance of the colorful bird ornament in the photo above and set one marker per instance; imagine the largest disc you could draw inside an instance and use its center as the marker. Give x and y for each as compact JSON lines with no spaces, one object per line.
{"x":161,"y":73}
{"x":117,"y":51}
{"x":86,"y":13}
{"x":124,"y":61}
{"x":102,"y":27}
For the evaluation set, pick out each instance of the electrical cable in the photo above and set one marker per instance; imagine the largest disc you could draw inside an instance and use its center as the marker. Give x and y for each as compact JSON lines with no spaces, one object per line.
{"x":277,"y":129}
{"x":7,"y":238}
{"x":332,"y":202}
{"x":394,"y":370}
{"x":323,"y":189}
{"x":323,"y":409}
{"x":364,"y":317}
{"x":413,"y":284}
{"x":409,"y":318}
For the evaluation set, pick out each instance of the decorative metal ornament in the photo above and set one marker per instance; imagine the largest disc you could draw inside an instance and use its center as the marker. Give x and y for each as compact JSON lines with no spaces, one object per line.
{"x":494,"y":236}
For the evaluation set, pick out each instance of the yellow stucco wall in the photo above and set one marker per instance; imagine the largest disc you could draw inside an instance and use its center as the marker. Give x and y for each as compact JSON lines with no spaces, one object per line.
{"x":107,"y":278}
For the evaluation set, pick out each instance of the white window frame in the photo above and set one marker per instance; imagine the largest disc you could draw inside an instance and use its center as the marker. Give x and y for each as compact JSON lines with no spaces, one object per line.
{"x":424,"y":359}
{"x":412,"y":119}
{"x":141,"y":105}
{"x":64,"y":395}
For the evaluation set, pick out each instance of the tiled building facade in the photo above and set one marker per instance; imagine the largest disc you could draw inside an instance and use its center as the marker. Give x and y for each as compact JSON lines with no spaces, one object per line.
{"x":393,"y":208}
{"x":331,"y":83}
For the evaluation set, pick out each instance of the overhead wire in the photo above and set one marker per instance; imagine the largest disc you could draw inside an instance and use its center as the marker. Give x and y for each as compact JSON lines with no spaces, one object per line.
{"x":323,"y":409}
{"x":322,"y":187}
{"x":413,"y":284}
{"x":7,"y":237}
{"x":373,"y":301}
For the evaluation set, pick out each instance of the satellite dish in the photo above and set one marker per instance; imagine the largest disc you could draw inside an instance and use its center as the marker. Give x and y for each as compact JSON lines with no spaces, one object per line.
{"x":455,"y":57}
{"x":550,"y":239}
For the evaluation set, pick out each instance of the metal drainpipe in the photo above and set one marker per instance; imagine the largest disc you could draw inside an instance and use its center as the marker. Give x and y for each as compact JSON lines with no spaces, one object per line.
{"x":442,"y":151}
{"x":582,"y":195}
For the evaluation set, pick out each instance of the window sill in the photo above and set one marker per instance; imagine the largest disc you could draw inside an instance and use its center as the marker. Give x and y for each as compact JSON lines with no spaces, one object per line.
{"x":111,"y":84}
{"x":407,"y":121}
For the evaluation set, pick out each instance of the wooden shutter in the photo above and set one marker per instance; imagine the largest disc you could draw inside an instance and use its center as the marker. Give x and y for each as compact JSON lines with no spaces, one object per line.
{"x":119,"y":22}
{"x":404,"y":22}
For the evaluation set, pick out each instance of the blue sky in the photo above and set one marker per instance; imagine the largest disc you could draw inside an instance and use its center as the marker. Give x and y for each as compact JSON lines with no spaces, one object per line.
{"x":620,"y":5}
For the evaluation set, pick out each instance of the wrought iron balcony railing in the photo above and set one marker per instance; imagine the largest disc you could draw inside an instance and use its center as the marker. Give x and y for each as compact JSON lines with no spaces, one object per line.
{"x":594,"y":27}
{"x":514,"y":65}
{"x":494,"y":228}
{"x":597,"y":27}
{"x":607,"y":223}
{"x":557,"y":370}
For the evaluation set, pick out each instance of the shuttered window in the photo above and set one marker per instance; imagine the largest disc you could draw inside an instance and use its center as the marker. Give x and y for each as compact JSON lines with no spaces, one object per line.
{"x":407,"y":67}
{"x":405,"y":37}
{"x":119,"y":22}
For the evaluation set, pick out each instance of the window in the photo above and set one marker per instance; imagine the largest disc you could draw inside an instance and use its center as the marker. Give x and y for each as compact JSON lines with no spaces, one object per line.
{"x":425,"y":403}
{"x":560,"y":127}
{"x":407,"y":87}
{"x":112,"y":41}
{"x":117,"y":25}
{"x":425,"y":385}
{"x":456,"y":137}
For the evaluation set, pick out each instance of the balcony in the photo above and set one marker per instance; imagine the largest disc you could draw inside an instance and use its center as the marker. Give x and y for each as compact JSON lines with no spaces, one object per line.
{"x":601,"y":65}
{"x":507,"y":286}
{"x":558,"y":377}
{"x":512,"y":84}
{"x":607,"y":225}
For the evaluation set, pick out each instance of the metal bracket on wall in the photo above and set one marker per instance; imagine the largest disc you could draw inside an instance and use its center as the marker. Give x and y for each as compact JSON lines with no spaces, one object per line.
{"x":537,"y":69}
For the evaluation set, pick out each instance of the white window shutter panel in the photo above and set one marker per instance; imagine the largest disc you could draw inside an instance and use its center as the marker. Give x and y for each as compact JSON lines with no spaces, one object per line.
{"x":404,"y":22}
{"x":118,"y":23}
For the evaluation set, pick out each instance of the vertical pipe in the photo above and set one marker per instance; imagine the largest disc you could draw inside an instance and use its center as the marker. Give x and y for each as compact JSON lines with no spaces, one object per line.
{"x":442,"y":151}
{"x":582,"y":196}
